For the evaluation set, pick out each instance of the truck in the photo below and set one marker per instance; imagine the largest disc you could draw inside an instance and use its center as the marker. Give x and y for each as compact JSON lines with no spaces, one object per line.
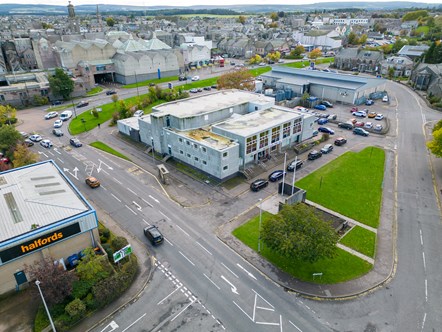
{"x":66,"y":115}
{"x":221,"y":62}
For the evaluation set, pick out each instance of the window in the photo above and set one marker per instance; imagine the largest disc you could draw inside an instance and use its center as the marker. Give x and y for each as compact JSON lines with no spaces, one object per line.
{"x":204,"y":149}
{"x":180,"y":140}
{"x":251,"y":144}
{"x":187,"y":142}
{"x":275,"y":134}
{"x":2,"y":97}
{"x":263,"y":140}
{"x":297,"y":126}
{"x":286,"y":130}
{"x":225,"y":154}
{"x":195,"y":146}
{"x":181,"y":152}
{"x":204,"y":162}
{"x":225,"y":168}
{"x":196,"y":159}
{"x":189,"y":156}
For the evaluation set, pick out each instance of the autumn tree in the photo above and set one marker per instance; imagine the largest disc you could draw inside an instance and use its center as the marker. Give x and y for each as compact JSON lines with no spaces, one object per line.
{"x":110,"y":21}
{"x":23,"y":156}
{"x":92,"y":267}
{"x":240,"y":79}
{"x":55,"y":282}
{"x":274,"y":56}
{"x":316,"y":53}
{"x":242,"y":19}
{"x":9,"y":137}
{"x":61,"y":84}
{"x":255,"y":59}
{"x":299,"y":232}
{"x":7,"y":112}
{"x":352,"y":38}
{"x":274,"y":17}
{"x":363,"y":39}
{"x":435,"y":145}
{"x":298,"y":51}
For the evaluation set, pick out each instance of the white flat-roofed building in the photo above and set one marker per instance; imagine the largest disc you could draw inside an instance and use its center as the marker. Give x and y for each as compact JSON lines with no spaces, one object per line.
{"x":42,"y":215}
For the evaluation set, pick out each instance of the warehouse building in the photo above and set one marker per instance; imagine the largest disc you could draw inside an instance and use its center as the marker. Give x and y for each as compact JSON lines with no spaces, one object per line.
{"x":42,"y":215}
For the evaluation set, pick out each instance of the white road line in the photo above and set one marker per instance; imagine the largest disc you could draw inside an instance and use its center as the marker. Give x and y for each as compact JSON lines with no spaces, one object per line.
{"x":51,"y":153}
{"x":264,"y":308}
{"x":183,"y":230}
{"x":119,"y":200}
{"x":423,"y":321}
{"x":187,"y":306}
{"x":101,"y":186}
{"x":426,"y":290}
{"x":230,"y":270}
{"x":233,"y":288}
{"x":204,"y":248}
{"x":131,"y":210}
{"x":55,"y":150}
{"x":168,"y":295}
{"x":248,"y":273}
{"x":423,"y":258}
{"x":245,"y":313}
{"x":60,"y":160}
{"x":267,"y":323}
{"x":154,"y":199}
{"x":133,"y":192}
{"x":168,"y":242}
{"x":147,"y":202}
{"x":117,"y":181}
{"x":146,"y":222}
{"x":280,"y":322}
{"x":105,"y":171}
{"x":295,"y":326}
{"x":127,"y":328}
{"x":186,"y":258}
{"x":263,"y":298}
{"x":165,"y":216}
{"x":422,"y":239}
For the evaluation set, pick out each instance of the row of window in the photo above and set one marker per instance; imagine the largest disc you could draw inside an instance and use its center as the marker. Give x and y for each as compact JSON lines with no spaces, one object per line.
{"x":197,"y":159}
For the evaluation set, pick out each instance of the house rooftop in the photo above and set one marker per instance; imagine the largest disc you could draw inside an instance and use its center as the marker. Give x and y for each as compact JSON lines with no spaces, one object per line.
{"x":207,"y":138}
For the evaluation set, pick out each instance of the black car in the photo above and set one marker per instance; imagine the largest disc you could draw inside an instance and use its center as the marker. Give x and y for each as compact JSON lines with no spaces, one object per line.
{"x":111,"y":92}
{"x":295,"y":164}
{"x":182,"y":78}
{"x":153,"y":234}
{"x":340,"y":141}
{"x":346,"y":125}
{"x":276,"y":175}
{"x":75,"y":142}
{"x":57,"y":132}
{"x":57,"y":102}
{"x":326,"y":103}
{"x":82,"y":104}
{"x":257,"y":185}
{"x":315,"y":154}
{"x":207,"y":88}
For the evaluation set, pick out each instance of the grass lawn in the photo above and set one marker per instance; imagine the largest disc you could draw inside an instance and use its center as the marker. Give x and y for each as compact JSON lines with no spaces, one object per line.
{"x":339,"y":269}
{"x":233,"y":182}
{"x":351,"y":185}
{"x":108,"y":149}
{"x":95,"y":90}
{"x":360,"y":239}
{"x":306,"y":63}
{"x":156,"y":81}
{"x":423,"y":29}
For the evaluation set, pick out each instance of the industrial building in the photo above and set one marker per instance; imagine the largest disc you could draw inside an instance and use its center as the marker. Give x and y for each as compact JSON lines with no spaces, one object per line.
{"x":42,"y":215}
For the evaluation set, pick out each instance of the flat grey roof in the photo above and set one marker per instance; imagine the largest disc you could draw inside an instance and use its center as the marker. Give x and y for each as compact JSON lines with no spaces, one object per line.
{"x":258,"y":121}
{"x":132,"y":122}
{"x":35,"y":195}
{"x":209,"y":103}
{"x":207,"y":138}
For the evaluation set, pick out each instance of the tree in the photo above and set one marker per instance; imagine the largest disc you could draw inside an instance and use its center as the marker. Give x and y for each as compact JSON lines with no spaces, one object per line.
{"x":274,"y":17}
{"x":55,"y":282}
{"x":6,"y":114}
{"x":61,"y":84}
{"x":435,"y":145}
{"x":363,"y":39}
{"x":92,"y":267}
{"x":240,"y":79}
{"x":274,"y":56}
{"x":110,"y":21}
{"x":316,"y":53}
{"x":23,"y":156}
{"x":390,"y":72}
{"x":352,"y":38}
{"x":299,"y":232}
{"x":9,"y":137}
{"x":242,"y":19}
{"x":298,"y":51}
{"x":255,"y":59}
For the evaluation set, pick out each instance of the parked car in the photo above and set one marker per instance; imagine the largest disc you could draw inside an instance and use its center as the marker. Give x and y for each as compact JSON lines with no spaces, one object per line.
{"x":379,"y":117}
{"x":46,"y":143}
{"x":295,"y":164}
{"x":346,"y":125}
{"x":200,"y":89}
{"x":92,"y":182}
{"x":51,"y":115}
{"x":57,"y":132}
{"x":75,"y":142}
{"x":385,"y":98}
{"x":215,"y":86}
{"x":326,"y":103}
{"x":320,"y":107}
{"x":110,"y":92}
{"x":259,"y":184}
{"x":28,"y":142}
{"x":333,"y":116}
{"x":327,"y":148}
{"x":340,"y":141}
{"x":368,"y":125}
{"x":369,"y":102}
{"x":58,"y":123}
{"x":195,"y":78}
{"x":153,"y":234}
{"x":359,"y":114}
{"x":139,"y":113}
{"x":193,"y":90}
{"x":182,"y":78}
{"x":371,"y":114}
{"x":276,"y":175}
{"x":315,"y":133}
{"x":326,"y":130}
{"x":35,"y":138}
{"x":360,"y":131}
{"x":57,"y":102}
{"x":5,"y":160}
{"x":359,"y":124}
{"x":82,"y":104}
{"x":378,"y":127}
{"x":322,"y":121}
{"x":207,"y":88}
{"x":353,"y":109}
{"x":24,"y":134}
{"x":315,"y":154}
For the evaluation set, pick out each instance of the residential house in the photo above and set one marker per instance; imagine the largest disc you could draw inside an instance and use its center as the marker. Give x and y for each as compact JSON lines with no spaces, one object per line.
{"x":402,"y":66}
{"x":428,"y":77}
{"x":357,"y":59}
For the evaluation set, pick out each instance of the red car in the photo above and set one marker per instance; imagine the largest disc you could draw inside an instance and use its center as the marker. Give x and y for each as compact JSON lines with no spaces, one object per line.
{"x":359,"y":124}
{"x":5,"y":160}
{"x":353,"y":109}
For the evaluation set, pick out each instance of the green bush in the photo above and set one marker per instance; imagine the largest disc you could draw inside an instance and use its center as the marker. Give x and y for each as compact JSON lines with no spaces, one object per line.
{"x":104,"y":233}
{"x":75,"y":309}
{"x":109,"y":251}
{"x":81,"y":288}
{"x":118,"y":243}
{"x":64,"y":322}
{"x":90,"y":302}
{"x":41,"y":319}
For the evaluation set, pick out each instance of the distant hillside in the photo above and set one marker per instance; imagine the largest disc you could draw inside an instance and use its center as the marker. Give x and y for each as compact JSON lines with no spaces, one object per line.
{"x":22,"y":9}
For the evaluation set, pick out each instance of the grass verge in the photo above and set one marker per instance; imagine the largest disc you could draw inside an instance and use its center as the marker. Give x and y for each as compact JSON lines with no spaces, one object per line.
{"x":108,"y":149}
{"x":361,"y":240}
{"x":95,"y":90}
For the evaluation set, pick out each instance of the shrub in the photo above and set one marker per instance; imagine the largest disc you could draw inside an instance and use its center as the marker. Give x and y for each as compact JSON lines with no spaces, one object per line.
{"x":118,"y":243}
{"x":90,"y":302}
{"x":95,"y":113}
{"x":109,"y":251}
{"x":63,"y":322}
{"x":81,"y":288}
{"x":41,"y":319}
{"x":104,"y":233}
{"x":75,"y":308}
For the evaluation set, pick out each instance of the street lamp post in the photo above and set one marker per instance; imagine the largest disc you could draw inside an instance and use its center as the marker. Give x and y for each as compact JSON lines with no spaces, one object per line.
{"x":73,"y":106}
{"x":259,"y":227}
{"x":37,"y":282}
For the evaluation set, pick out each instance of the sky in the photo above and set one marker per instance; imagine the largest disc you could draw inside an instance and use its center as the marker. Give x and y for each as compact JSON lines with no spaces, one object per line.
{"x":187,"y":2}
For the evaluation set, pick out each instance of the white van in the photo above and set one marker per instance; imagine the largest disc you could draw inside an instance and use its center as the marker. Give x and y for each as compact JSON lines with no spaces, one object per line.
{"x":66,"y":115}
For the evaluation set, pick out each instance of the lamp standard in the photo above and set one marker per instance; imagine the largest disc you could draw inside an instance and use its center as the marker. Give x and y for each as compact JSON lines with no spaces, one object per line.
{"x":75,"y":111}
{"x":259,"y":227}
{"x":37,"y":282}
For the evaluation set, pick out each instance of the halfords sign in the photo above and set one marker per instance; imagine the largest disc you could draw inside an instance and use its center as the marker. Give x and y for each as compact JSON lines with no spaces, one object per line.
{"x":39,"y":242}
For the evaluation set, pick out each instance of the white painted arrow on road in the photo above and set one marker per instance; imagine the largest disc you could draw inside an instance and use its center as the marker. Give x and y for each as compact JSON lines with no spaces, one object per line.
{"x":110,"y":327}
{"x":75,"y":170}
{"x":231,"y":285}
{"x":44,"y":154}
{"x":248,"y":273}
{"x":138,"y":206}
{"x":56,"y":150}
{"x":99,"y":166}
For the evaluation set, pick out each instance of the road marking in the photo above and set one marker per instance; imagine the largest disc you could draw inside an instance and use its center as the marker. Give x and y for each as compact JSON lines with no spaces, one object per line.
{"x":212,"y":282}
{"x":423,"y":321}
{"x":245,"y":313}
{"x":248,"y":273}
{"x":127,"y":328}
{"x":60,"y":160}
{"x":168,"y":242}
{"x":116,"y":198}
{"x":56,"y":150}
{"x":422,"y":239}
{"x":147,"y":202}
{"x":154,"y":199}
{"x":131,"y":210}
{"x":183,"y":230}
{"x":263,"y":298}
{"x":44,"y":154}
{"x":138,"y":206}
{"x":101,"y":186}
{"x":230,"y":270}
{"x":423,"y":258}
{"x":165,"y":216}
{"x":426,"y":290}
{"x":204,"y":248}
{"x":295,"y":326}
{"x":105,"y":172}
{"x":51,"y":153}
{"x":186,"y":258}
{"x":146,"y":222}
{"x":266,"y":323}
{"x":112,"y":325}
{"x":187,"y":306}
{"x":133,"y":192}
{"x":168,"y":296}
{"x":233,"y":288}
{"x":117,"y":181}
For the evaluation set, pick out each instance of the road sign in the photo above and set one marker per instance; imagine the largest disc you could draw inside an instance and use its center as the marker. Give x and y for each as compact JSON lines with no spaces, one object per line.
{"x":120,"y":254}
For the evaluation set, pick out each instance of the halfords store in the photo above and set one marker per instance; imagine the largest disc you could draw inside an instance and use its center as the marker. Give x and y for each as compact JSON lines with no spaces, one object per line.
{"x":41,"y":215}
